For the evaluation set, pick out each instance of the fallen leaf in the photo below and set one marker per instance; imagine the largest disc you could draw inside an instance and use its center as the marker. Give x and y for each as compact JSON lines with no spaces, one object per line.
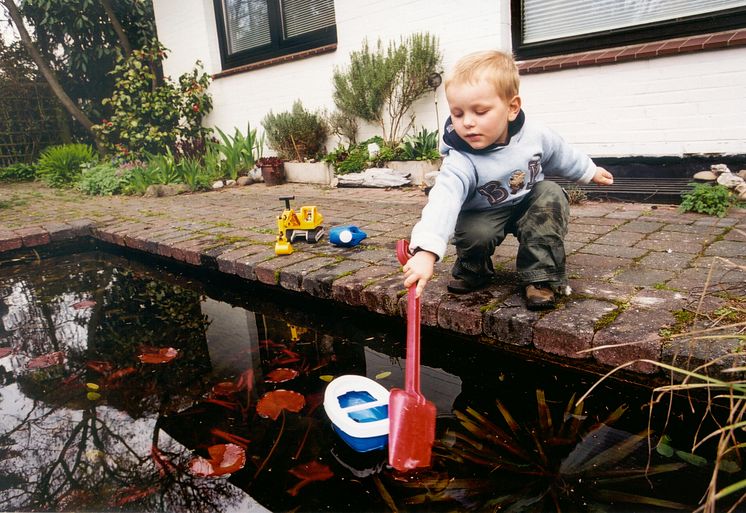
{"x":281,"y":375}
{"x":99,"y":366}
{"x":272,"y":403}
{"x":162,"y":355}
{"x":224,"y":459}
{"x":384,"y":374}
{"x":224,"y":388}
{"x":121,"y":373}
{"x":86,"y":303}
{"x":46,"y":360}
{"x":93,"y":396}
{"x":5,"y":351}
{"x":308,"y":473}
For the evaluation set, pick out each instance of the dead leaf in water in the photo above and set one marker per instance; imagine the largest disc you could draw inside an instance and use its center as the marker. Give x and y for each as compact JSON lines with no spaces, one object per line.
{"x":308,"y":473}
{"x":224,"y":459}
{"x":281,"y":375}
{"x":272,"y":403}
{"x":86,"y":303}
{"x":46,"y":360}
{"x":159,"y":355}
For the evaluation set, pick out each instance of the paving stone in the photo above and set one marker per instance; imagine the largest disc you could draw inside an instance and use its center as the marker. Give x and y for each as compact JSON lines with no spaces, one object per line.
{"x":641,"y":277}
{"x":726,"y":248}
{"x":34,"y":236}
{"x":511,"y":322}
{"x":245,"y":266}
{"x":669,"y":300}
{"x":292,"y":276}
{"x":464,"y":313}
{"x":226,"y":261}
{"x":607,"y":250}
{"x":60,"y":231}
{"x":319,"y":282}
{"x":348,"y":289}
{"x":568,"y":330}
{"x":10,"y":240}
{"x":383,"y":295}
{"x":704,"y":356}
{"x":268,"y":271}
{"x":668,"y":260}
{"x":603,"y":290}
{"x":632,"y":337}
{"x":641,"y":226}
{"x":620,"y":238}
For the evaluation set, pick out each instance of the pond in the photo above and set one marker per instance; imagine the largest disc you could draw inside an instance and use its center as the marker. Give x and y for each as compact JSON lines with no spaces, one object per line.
{"x":127,"y":385}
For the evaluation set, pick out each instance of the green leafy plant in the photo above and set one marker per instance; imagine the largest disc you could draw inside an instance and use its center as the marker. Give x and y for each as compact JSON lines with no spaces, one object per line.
{"x":380,"y":85}
{"x":296,"y":134}
{"x":61,"y":166}
{"x":18,"y":172}
{"x":714,"y":200}
{"x":421,"y":146}
{"x":194,"y":174}
{"x":147,"y":117}
{"x":102,"y":180}
{"x":240,"y":151}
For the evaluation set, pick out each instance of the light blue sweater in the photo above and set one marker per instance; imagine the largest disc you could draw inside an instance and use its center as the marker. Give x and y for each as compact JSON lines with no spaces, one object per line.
{"x":499,"y":178}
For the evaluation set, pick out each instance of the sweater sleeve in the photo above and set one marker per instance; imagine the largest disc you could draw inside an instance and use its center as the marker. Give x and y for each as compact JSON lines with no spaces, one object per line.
{"x":564,"y":160}
{"x":438,"y":221}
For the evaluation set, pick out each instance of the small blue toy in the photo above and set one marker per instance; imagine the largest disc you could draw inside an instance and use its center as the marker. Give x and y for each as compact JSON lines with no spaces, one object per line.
{"x":347,"y":236}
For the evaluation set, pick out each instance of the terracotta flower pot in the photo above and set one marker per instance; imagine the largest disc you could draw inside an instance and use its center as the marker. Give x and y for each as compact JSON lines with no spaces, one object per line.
{"x":273,"y":174}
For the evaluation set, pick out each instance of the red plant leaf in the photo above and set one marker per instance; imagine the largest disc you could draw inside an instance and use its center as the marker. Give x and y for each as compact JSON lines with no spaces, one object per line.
{"x":159,"y":355}
{"x":246,"y":380}
{"x":46,"y":360}
{"x":119,"y":374}
{"x":99,"y":366}
{"x":224,"y":388}
{"x":5,"y":351}
{"x":281,"y":375}
{"x":230,"y":437}
{"x":272,"y":403}
{"x":86,"y":303}
{"x":224,"y":459}
{"x":308,"y":473}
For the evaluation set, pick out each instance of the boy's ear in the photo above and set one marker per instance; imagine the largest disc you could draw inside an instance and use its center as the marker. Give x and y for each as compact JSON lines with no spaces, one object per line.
{"x":514,"y":107}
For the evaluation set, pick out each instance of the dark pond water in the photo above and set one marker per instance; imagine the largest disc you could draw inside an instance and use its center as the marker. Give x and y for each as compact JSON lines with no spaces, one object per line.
{"x":117,"y":373}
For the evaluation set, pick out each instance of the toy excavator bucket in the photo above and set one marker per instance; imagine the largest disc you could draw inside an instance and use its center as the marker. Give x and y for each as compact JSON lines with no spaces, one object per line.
{"x":283,"y":247}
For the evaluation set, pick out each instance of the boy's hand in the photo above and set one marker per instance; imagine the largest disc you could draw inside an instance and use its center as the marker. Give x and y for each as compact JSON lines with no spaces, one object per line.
{"x":602,"y":177}
{"x":419,"y":269}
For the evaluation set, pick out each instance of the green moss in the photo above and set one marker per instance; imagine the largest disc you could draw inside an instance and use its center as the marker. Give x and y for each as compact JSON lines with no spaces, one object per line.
{"x":608,"y":318}
{"x":277,"y":276}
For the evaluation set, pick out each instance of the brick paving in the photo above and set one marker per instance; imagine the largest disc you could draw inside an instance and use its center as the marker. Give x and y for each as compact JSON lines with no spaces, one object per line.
{"x":634,"y":267}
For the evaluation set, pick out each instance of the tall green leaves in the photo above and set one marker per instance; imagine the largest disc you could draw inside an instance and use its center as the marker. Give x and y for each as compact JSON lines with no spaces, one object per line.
{"x":380,"y":85}
{"x":61,"y":166}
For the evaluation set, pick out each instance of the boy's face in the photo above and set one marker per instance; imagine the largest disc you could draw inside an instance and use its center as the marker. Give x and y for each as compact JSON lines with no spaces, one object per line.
{"x":480,"y":116}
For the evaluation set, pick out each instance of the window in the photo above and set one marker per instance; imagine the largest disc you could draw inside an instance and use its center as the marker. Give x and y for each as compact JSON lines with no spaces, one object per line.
{"x":552,"y":27}
{"x":255,"y":30}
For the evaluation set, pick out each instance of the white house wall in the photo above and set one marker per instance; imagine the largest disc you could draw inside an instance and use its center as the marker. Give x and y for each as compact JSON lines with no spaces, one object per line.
{"x":688,"y":104}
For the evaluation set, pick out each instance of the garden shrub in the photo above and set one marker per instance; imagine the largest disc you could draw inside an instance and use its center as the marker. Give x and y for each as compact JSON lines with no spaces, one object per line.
{"x":704,"y":198}
{"x":61,"y":166}
{"x":147,"y":117}
{"x":296,"y":134}
{"x":18,"y":172}
{"x":102,"y":180}
{"x":421,"y":146}
{"x":240,"y":151}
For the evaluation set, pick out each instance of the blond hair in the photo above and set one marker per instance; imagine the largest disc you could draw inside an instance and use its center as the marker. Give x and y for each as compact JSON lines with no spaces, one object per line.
{"x":492,"y":66}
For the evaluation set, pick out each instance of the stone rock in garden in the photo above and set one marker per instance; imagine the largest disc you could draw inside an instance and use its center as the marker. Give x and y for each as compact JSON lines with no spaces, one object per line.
{"x":159,"y":190}
{"x":742,"y":173}
{"x":430,"y":178}
{"x":719,"y":168}
{"x":218,"y":185}
{"x":374,"y":177}
{"x":230,"y":183}
{"x":730,"y":180}
{"x":244,"y":180}
{"x":741,"y":191}
{"x":705,"y":176}
{"x":256,"y":175}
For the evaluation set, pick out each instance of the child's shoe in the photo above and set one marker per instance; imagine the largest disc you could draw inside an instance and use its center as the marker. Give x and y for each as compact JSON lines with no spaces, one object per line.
{"x":539,"y":296}
{"x":461,"y":286}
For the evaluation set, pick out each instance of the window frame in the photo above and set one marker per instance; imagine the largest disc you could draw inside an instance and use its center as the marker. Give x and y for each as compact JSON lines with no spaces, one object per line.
{"x":690,"y":26}
{"x":278,"y":47}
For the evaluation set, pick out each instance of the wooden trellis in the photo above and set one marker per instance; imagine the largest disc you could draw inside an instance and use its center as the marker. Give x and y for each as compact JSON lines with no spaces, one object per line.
{"x":28,"y":121}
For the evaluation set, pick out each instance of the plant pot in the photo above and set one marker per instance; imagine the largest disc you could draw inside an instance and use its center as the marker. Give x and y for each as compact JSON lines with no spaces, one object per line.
{"x":417,"y":169}
{"x":309,"y":172}
{"x":273,"y":175}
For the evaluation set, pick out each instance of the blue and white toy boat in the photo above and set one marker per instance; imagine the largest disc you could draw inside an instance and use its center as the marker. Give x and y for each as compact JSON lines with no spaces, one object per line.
{"x":359,"y":410}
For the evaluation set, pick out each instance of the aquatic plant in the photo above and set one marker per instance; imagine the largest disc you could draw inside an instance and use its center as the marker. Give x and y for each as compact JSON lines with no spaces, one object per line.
{"x":559,"y":463}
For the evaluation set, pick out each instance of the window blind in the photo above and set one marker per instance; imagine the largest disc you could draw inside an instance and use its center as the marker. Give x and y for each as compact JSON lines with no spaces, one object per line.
{"x":246,"y":24}
{"x":304,"y":16}
{"x":545,"y":20}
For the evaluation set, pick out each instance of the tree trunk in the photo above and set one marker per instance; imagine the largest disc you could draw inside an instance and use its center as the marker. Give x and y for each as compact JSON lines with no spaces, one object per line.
{"x":123,"y":39}
{"x":47,"y":72}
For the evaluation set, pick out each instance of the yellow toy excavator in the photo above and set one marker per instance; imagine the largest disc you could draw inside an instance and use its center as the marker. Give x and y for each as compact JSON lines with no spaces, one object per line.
{"x":292,"y":225}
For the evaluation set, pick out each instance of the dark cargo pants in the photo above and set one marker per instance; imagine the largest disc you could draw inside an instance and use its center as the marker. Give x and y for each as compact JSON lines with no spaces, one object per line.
{"x":539,"y":222}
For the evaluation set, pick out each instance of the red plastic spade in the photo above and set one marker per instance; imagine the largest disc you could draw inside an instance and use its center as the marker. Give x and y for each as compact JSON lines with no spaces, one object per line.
{"x":411,"y":416}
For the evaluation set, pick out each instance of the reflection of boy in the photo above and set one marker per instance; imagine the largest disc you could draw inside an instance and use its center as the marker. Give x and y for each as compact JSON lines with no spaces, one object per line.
{"x":492,"y":183}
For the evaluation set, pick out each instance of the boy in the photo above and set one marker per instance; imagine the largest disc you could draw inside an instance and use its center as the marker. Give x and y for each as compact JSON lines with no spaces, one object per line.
{"x":492,"y":183}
